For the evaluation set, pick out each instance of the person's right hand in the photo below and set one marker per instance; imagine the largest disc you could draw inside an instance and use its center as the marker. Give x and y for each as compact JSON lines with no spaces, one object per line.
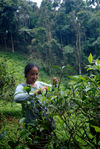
{"x":43,"y":88}
{"x":40,"y":90}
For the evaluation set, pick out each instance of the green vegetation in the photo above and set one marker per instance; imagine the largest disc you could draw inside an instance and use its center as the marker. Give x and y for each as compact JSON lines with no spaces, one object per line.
{"x":75,"y":110}
{"x":59,"y":32}
{"x":58,"y":37}
{"x":8,"y":109}
{"x":15,"y":63}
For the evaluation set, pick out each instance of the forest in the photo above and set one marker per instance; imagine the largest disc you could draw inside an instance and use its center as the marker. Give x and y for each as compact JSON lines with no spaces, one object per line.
{"x":63,"y":38}
{"x":59,"y":32}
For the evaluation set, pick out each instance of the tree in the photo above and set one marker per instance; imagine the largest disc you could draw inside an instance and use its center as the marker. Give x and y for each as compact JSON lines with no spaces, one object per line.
{"x":8,"y":21}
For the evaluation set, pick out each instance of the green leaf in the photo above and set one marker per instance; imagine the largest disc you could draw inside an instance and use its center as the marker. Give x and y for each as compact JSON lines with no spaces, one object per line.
{"x":27,"y":89}
{"x":90,"y":58}
{"x":98,"y":68}
{"x":22,"y":120}
{"x":89,"y":69}
{"x":43,"y":99}
{"x":97,"y":62}
{"x":97,"y":129}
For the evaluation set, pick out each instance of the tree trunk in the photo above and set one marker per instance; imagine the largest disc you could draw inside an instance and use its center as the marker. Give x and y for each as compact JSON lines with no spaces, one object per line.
{"x":5,"y":42}
{"x":49,"y":37}
{"x":78,"y":48}
{"x":12,"y":43}
{"x":80,"y":71}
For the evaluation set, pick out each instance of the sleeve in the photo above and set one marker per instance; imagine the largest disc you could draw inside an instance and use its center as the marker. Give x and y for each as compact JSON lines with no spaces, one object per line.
{"x":43,"y":84}
{"x":20,"y":95}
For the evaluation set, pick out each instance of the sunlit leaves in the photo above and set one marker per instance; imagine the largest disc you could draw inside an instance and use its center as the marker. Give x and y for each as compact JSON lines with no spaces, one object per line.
{"x":97,"y":129}
{"x":90,"y":58}
{"x":95,"y":63}
{"x":27,"y":88}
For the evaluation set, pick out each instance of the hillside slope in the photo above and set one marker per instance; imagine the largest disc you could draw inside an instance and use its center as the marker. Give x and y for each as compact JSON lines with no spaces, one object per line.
{"x":16,"y":63}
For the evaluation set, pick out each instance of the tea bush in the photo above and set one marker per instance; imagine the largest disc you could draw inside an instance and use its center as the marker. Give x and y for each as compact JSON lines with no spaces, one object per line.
{"x":75,"y":109}
{"x":7,"y":82}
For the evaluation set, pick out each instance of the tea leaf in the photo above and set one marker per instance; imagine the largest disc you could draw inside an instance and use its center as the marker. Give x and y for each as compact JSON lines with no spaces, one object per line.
{"x":90,"y":58}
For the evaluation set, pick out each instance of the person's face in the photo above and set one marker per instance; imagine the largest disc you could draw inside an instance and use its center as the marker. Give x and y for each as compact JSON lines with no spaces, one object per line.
{"x":32,"y":75}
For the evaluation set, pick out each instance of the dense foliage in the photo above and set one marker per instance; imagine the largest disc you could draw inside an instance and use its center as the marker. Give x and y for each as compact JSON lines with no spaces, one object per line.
{"x":7,"y":83}
{"x":59,"y":32}
{"x":75,"y":109}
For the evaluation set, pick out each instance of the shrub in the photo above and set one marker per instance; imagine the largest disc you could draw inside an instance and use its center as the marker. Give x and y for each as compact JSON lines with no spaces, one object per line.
{"x":77,"y":110}
{"x":7,"y":83}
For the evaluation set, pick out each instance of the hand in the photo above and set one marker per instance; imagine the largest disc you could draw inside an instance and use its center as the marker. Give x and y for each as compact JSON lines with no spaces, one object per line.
{"x":40,"y":90}
{"x":43,"y":88}
{"x":55,"y":81}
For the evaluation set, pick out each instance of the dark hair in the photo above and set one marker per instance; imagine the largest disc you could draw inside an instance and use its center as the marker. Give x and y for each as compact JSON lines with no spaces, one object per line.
{"x":28,"y":67}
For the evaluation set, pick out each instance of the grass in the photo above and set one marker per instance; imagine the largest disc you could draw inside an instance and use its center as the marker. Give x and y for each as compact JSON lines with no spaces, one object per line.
{"x":16,"y":63}
{"x":10,"y":115}
{"x":8,"y":109}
